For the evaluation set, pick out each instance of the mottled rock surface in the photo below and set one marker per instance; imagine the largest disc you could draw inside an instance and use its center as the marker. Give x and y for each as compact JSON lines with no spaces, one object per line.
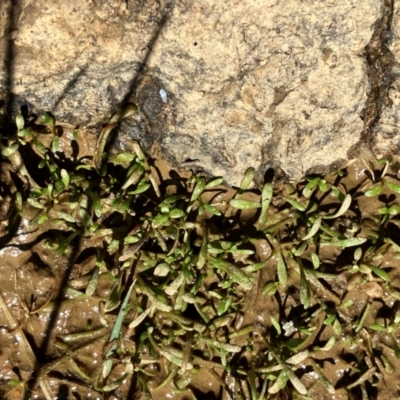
{"x":262,"y":83}
{"x":385,"y":139}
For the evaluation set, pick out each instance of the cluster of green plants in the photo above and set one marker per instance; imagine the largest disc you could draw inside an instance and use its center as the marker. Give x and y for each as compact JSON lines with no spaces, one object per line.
{"x":181,"y":263}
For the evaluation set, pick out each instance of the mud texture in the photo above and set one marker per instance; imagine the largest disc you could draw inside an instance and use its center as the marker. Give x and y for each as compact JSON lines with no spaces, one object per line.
{"x":32,"y":278}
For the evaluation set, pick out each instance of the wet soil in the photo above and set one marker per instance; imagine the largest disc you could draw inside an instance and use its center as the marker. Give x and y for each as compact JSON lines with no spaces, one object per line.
{"x":36,"y":324}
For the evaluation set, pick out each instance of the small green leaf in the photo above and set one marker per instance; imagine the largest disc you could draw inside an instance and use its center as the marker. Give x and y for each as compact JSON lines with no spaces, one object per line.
{"x":198,"y":189}
{"x":136,"y":322}
{"x":42,"y":164}
{"x":348,"y":303}
{"x":329,"y":344}
{"x":74,"y":294}
{"x":363,"y":318}
{"x":64,"y":243}
{"x":10,"y":150}
{"x":343,"y":208}
{"x":357,"y":254}
{"x":91,"y":287}
{"x":176,"y":213}
{"x":47,"y":119}
{"x":279,"y":384}
{"x":394,"y":209}
{"x":23,"y":133}
{"x":233,"y":272}
{"x":162,"y":269}
{"x":255,"y":267}
{"x":132,"y":239}
{"x":337,"y":327}
{"x":58,"y":188}
{"x":96,"y":204}
{"x":270,"y":288}
{"x":315,"y":260}
{"x":99,"y":154}
{"x":65,"y":216}
{"x":55,"y":143}
{"x":174,"y":286}
{"x":133,"y":176}
{"x":247,"y":178}
{"x":224,"y":305}
{"x":84,"y":167}
{"x":276,"y":325}
{"x":230,"y":348}
{"x":394,"y":187}
{"x":212,"y":210}
{"x":340,"y":196}
{"x":301,"y":249}
{"x":120,"y":318}
{"x":43,"y":218}
{"x":305,"y":292}
{"x":213,"y":183}
{"x":19,"y":121}
{"x":107,"y":366}
{"x":345,"y":243}
{"x":40,"y":146}
{"x":377,"y":327}
{"x":13,"y":382}
{"x":329,"y":319}
{"x":65,"y":178}
{"x":374,"y":191}
{"x":35,"y":203}
{"x":141,"y":187}
{"x":161,"y":219}
{"x":18,"y":201}
{"x":323,"y":186}
{"x":125,"y":157}
{"x":113,"y":299}
{"x":394,"y":244}
{"x":281,"y":268}
{"x":217,"y":247}
{"x":296,"y":205}
{"x":266,"y":197}
{"x":314,"y":228}
{"x":379,"y":272}
{"x":309,"y":188}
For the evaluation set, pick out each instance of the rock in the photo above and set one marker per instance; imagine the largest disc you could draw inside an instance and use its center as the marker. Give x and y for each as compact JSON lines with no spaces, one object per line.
{"x":268,"y":84}
{"x":385,"y":139}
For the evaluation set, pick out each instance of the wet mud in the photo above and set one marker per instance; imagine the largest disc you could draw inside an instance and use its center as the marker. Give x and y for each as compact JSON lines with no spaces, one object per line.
{"x":32,"y":275}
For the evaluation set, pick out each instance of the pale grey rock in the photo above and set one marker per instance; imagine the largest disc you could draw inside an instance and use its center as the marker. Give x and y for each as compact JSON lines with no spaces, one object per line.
{"x":262,"y":83}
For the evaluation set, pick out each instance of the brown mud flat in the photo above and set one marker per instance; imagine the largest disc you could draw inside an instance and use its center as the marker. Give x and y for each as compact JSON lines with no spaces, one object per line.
{"x":218,"y":305}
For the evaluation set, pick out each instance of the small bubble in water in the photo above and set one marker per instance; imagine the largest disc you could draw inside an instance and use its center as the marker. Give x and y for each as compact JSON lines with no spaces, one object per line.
{"x":163,"y":95}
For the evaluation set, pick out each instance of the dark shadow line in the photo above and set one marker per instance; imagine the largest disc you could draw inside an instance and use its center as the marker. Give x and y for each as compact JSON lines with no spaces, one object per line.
{"x":76,"y":246}
{"x":75,"y":251}
{"x":27,"y":245}
{"x":135,"y":81}
{"x":70,"y":85}
{"x":9,"y":52}
{"x":14,"y":226}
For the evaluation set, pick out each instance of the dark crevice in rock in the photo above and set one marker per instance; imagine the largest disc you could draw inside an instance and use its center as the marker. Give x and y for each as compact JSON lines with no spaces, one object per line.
{"x":380,"y":61}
